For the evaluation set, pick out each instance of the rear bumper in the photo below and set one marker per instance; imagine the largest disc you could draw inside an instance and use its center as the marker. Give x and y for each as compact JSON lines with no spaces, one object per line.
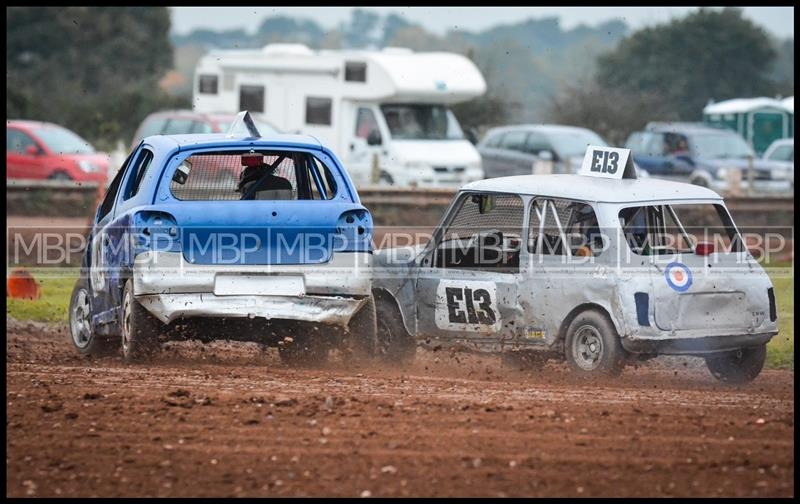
{"x":334,"y":310}
{"x":702,"y":345}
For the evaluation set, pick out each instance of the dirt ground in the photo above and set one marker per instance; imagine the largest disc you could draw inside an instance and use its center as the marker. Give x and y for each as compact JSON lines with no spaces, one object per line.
{"x":228,"y":419}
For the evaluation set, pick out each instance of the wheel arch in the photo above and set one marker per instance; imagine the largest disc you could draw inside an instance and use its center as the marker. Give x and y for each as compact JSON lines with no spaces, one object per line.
{"x":562,"y":330}
{"x":383,"y":295}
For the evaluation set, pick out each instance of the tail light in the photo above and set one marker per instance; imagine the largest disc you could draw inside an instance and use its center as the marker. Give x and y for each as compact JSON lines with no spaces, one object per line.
{"x":354,"y":231}
{"x":704,"y":249}
{"x":156,"y":231}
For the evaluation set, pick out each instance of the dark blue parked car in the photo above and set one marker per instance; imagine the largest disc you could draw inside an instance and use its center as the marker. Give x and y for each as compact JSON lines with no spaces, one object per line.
{"x":698,"y":154}
{"x":280,"y":254}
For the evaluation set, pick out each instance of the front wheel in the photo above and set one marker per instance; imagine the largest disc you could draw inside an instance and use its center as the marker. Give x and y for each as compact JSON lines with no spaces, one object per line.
{"x":739,"y":366}
{"x":395,"y":346}
{"x":139,"y":329}
{"x":86,"y":341}
{"x":593,"y":346}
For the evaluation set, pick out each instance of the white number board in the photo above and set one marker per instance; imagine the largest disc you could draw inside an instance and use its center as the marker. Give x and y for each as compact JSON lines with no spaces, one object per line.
{"x":606,"y":162}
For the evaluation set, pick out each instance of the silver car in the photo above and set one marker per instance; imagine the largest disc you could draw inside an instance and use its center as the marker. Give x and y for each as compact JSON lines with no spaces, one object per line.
{"x":594,"y":271}
{"x":514,"y":150}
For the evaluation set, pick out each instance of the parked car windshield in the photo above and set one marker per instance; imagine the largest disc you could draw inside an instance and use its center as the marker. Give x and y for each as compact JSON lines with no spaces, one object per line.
{"x":719,"y":146}
{"x":63,"y":141}
{"x":421,"y":122}
{"x":574,"y":143}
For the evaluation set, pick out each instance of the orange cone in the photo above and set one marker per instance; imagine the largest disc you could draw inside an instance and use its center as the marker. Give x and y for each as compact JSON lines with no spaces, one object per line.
{"x":22,"y":285}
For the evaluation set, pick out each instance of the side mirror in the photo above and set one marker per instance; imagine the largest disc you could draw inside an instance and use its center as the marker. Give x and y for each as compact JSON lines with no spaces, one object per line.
{"x":471,"y":135}
{"x":32,"y":150}
{"x":182,"y":173}
{"x":374,"y":138}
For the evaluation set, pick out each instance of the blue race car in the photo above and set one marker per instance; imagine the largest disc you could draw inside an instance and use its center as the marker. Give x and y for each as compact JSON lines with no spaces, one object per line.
{"x":228,"y":236}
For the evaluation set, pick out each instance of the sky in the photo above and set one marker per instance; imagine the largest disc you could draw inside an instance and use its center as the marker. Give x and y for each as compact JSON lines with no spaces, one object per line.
{"x":778,"y":20}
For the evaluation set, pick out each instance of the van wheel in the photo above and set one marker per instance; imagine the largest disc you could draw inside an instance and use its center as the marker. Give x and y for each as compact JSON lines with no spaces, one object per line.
{"x":139,"y":329}
{"x":86,"y":341}
{"x":59,"y":175}
{"x":360,"y":342}
{"x":739,"y":366}
{"x":592,"y":345}
{"x":394,"y":346}
{"x":700,"y":182}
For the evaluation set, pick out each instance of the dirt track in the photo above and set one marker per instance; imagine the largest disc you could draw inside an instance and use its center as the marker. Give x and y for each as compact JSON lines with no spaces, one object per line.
{"x":231,"y":420}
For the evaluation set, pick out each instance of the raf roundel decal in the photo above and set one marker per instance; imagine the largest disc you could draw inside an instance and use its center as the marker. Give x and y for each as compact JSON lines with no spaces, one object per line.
{"x":678,"y":276}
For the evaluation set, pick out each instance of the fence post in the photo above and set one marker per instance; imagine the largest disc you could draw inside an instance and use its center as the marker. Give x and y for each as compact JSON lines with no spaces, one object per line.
{"x":750,"y":175}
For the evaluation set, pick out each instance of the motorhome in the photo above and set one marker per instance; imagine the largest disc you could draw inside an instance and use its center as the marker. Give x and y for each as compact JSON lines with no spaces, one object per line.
{"x":385,"y":113}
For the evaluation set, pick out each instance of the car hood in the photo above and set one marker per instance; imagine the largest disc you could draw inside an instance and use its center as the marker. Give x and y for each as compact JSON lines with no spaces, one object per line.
{"x":435,"y":152}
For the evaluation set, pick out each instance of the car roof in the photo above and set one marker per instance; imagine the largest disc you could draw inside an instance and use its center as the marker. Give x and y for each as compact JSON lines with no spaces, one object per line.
{"x":28,"y":124}
{"x":581,"y":187}
{"x":540,"y":128}
{"x":200,"y":140}
{"x":678,"y":127}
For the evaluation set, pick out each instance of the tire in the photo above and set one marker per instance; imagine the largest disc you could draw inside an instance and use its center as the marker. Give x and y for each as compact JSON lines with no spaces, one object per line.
{"x":700,"y":182}
{"x":592,"y":346}
{"x":59,"y":176}
{"x":305,"y":350}
{"x":361,"y":340}
{"x":86,"y":341}
{"x":138,"y":328}
{"x":395,"y":346}
{"x":739,"y":366}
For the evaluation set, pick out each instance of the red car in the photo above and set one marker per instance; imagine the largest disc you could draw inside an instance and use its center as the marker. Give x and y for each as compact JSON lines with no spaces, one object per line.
{"x":41,"y":150}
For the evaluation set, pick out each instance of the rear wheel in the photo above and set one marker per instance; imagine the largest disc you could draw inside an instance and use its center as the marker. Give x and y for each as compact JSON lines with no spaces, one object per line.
{"x":739,"y":366}
{"x":592,"y":345}
{"x":139,"y":329}
{"x":86,"y":341}
{"x":360,"y":342}
{"x":395,"y":345}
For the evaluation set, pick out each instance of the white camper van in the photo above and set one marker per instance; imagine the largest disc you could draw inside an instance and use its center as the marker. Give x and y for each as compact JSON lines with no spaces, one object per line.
{"x":385,"y":113}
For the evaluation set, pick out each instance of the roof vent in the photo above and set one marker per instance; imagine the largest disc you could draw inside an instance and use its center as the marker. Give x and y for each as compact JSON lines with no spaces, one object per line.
{"x":287,"y":50}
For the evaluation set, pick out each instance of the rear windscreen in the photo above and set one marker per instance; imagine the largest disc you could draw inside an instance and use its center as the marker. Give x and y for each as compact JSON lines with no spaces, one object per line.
{"x":264,"y":175}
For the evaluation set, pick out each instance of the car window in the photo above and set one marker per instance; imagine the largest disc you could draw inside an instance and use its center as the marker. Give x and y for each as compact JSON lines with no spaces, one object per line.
{"x":63,"y":141}
{"x":201,"y":127}
{"x":537,"y":143}
{"x":366,"y":123}
{"x":111,"y":193}
{"x":677,"y":228}
{"x":18,"y":141}
{"x":152,"y":126}
{"x":645,"y":143}
{"x":272,"y":175}
{"x":138,"y":169}
{"x":494,"y":140}
{"x":564,"y":228}
{"x":484,"y":234}
{"x":783,"y":153}
{"x":178,"y":127}
{"x":514,"y":140}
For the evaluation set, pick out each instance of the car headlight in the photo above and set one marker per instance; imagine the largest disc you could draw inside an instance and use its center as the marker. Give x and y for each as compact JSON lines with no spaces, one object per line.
{"x":88,"y":166}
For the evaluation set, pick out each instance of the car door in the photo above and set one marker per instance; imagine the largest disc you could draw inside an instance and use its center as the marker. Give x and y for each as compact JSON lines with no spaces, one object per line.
{"x":102,"y":252}
{"x":466,"y":286}
{"x":24,"y":157}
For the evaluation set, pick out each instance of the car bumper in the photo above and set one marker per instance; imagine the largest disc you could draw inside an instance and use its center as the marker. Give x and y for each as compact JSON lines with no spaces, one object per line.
{"x":334,"y":310}
{"x":695,"y":346}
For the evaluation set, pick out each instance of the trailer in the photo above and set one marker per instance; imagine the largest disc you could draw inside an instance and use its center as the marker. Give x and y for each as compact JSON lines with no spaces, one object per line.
{"x":385,"y":113}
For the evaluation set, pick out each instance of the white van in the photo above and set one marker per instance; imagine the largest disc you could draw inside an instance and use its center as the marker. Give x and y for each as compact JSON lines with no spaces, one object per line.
{"x":385,"y":113}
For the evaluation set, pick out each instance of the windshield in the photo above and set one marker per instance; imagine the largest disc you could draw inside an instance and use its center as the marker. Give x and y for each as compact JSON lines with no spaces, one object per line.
{"x":574,"y":143}
{"x":63,"y":141}
{"x":421,"y":122}
{"x":719,"y":146}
